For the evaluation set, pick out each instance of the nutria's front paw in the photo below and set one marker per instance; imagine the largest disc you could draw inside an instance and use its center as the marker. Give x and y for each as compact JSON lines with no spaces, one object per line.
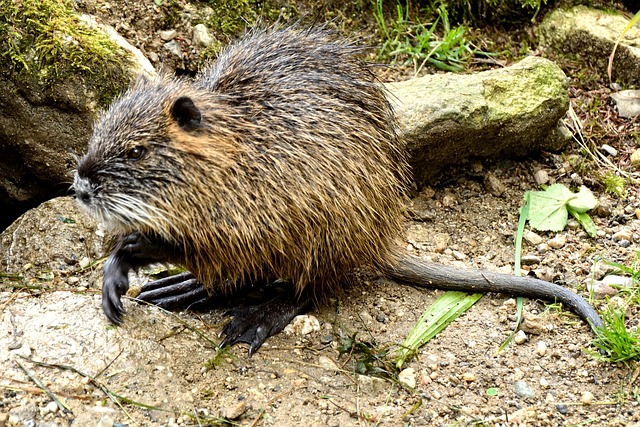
{"x":116,"y":284}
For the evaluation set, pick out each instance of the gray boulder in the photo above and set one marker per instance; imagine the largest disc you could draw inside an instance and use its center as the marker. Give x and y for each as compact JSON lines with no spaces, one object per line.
{"x":448,"y":118}
{"x":591,"y":34}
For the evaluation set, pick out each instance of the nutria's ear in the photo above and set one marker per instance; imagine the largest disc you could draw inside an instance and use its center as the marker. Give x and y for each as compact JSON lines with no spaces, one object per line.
{"x":185,"y":112}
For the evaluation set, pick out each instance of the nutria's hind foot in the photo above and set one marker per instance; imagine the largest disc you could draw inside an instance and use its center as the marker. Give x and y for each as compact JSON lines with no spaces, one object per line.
{"x":173,"y":292}
{"x":254,"y":324}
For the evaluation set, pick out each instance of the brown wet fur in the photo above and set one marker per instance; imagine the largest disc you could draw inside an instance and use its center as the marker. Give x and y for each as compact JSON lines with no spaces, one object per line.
{"x":294,"y":171}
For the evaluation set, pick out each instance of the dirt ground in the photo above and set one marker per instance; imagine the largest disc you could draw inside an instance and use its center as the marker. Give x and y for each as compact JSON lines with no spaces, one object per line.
{"x":166,"y":361}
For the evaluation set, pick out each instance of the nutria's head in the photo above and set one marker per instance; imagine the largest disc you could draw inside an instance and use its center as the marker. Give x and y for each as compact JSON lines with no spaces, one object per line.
{"x":143,"y":150}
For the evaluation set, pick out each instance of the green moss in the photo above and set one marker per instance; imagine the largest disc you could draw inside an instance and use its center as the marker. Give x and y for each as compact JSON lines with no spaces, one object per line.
{"x":45,"y":41}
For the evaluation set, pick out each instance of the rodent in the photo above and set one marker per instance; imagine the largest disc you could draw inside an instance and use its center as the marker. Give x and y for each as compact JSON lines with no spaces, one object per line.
{"x":281,"y":160}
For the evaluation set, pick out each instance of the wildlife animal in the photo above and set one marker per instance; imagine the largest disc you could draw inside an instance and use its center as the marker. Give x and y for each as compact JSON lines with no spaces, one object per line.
{"x":279,"y":161}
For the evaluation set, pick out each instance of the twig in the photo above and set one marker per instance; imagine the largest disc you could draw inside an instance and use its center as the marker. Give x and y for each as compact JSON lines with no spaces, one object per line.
{"x":62,"y":406}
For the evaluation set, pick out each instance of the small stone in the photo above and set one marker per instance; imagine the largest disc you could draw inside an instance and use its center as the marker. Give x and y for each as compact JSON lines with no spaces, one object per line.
{"x":326,"y":339}
{"x":202,"y":36}
{"x":587,"y":398}
{"x":105,"y":421}
{"x":328,"y":364}
{"x":530,"y":259}
{"x":541,"y":177}
{"x":459,"y":255}
{"x":557,"y":242}
{"x":562,"y":408}
{"x":572,"y":224}
{"x":624,"y":243}
{"x":174,"y":48}
{"x":372,"y":384}
{"x":168,"y":35}
{"x":520,"y":337}
{"x":49,"y":408}
{"x":635,"y":158}
{"x":84,"y":263}
{"x":469,"y":377}
{"x":303,"y":325}
{"x":623,"y":234}
{"x":541,"y":348}
{"x":449,"y":200}
{"x":614,"y":279}
{"x":609,"y":150}
{"x":601,"y":290}
{"x":382,"y":318}
{"x":533,"y":324}
{"x":408,"y":377}
{"x":544,"y":383}
{"x":494,"y":185}
{"x":531,"y":237}
{"x":235,"y":411}
{"x":523,"y":389}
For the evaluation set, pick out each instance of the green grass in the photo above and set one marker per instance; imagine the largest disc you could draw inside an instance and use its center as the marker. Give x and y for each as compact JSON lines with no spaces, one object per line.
{"x":409,"y":41}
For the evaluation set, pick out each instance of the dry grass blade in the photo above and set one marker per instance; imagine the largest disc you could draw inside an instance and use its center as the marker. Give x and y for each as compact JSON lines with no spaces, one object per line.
{"x":634,"y":21}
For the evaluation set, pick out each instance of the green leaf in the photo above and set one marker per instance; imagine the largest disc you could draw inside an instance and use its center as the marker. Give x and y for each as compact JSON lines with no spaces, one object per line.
{"x":582,"y":201}
{"x":548,"y":208}
{"x":585,"y":220}
{"x":492,"y":391}
{"x":435,"y":318}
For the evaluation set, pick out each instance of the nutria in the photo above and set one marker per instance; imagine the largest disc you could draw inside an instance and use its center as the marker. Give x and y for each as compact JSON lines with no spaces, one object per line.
{"x":281,"y":160}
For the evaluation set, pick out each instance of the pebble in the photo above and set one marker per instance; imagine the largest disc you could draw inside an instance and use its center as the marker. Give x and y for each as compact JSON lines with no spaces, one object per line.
{"x":562,"y":408}
{"x":105,"y":421}
{"x":614,"y":279}
{"x":494,"y":185}
{"x":202,"y":36}
{"x":303,"y":325}
{"x":530,"y":259}
{"x":543,"y":382}
{"x":168,"y":35}
{"x":572,"y":224}
{"x":623,"y":234}
{"x":174,"y":48}
{"x":520,"y":337}
{"x":469,"y":377}
{"x":372,"y":384}
{"x":601,"y":290}
{"x":609,"y":150}
{"x":235,"y":411}
{"x":587,"y":398}
{"x":541,"y":177}
{"x":328,"y":364}
{"x":557,"y":242}
{"x":523,"y":389}
{"x":326,"y":339}
{"x":624,"y":243}
{"x":459,"y":255}
{"x":84,"y":262}
{"x":531,"y":237}
{"x":49,"y":408}
{"x":635,"y":158}
{"x":541,"y":348}
{"x":408,"y":377}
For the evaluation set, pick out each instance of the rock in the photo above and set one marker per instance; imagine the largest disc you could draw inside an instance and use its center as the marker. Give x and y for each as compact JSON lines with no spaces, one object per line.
{"x":533,"y":325}
{"x":628,"y":103}
{"x":372,"y":384}
{"x":557,"y":242}
{"x":532,"y":237}
{"x":544,"y":383}
{"x":587,"y":398}
{"x":168,"y":35}
{"x":494,"y":185}
{"x":592,"y":33}
{"x":459,"y":255}
{"x":541,"y":348}
{"x":234,"y":411}
{"x":408,"y":377}
{"x":530,"y":259}
{"x":174,"y":48}
{"x":601,"y":290}
{"x":520,"y":337}
{"x":105,"y":421}
{"x":446,"y":118}
{"x":202,"y":36}
{"x":623,"y":234}
{"x":523,"y":389}
{"x":614,"y":279}
{"x":541,"y":177}
{"x":609,"y":150}
{"x":45,"y":120}
{"x":635,"y":158}
{"x":562,"y":408}
{"x":328,"y":364}
{"x":469,"y":377}
{"x":303,"y":325}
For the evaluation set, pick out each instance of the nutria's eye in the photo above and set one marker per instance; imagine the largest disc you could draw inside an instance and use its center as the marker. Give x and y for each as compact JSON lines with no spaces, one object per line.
{"x":136,"y":153}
